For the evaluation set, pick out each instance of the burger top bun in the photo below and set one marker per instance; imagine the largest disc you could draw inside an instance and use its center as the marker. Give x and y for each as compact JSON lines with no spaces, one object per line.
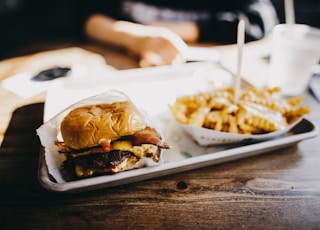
{"x":91,"y":125}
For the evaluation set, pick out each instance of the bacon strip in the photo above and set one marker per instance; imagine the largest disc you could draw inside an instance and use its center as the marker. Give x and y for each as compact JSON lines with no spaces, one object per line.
{"x":147,"y":136}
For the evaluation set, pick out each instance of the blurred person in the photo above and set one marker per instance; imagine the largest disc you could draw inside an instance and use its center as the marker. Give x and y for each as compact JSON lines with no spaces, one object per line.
{"x":158,"y":31}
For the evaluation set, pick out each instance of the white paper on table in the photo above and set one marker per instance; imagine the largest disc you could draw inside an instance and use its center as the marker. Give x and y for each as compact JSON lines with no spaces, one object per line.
{"x":23,"y":85}
{"x":203,"y":54}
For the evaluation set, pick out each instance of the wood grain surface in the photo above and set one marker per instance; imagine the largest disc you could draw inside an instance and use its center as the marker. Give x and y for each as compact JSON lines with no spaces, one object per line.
{"x":275,"y":190}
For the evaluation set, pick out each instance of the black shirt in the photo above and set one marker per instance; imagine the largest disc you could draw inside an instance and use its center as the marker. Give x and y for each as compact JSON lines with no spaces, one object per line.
{"x":217,"y":20}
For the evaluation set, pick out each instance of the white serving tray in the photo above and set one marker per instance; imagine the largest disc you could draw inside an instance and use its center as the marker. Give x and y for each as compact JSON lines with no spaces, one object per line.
{"x":152,"y":89}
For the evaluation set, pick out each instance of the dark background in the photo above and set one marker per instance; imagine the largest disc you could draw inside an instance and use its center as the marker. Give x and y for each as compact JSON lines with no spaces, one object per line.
{"x":306,"y":11}
{"x":25,"y":23}
{"x":29,"y":22}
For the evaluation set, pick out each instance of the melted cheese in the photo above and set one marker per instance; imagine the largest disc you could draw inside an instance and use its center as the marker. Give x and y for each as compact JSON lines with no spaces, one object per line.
{"x":81,"y":172}
{"x":121,"y":145}
{"x":138,"y":151}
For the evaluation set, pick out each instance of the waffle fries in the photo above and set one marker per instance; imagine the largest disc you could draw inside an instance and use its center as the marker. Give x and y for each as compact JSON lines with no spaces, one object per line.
{"x":259,"y":111}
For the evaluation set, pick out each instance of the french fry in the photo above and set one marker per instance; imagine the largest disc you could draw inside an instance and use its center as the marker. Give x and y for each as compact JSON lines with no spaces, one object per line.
{"x":258,"y":110}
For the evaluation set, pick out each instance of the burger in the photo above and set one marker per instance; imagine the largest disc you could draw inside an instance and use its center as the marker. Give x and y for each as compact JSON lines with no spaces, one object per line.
{"x":108,"y":138}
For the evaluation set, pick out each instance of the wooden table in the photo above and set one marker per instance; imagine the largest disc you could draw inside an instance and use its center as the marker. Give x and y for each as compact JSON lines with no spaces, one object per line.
{"x":276,"y":190}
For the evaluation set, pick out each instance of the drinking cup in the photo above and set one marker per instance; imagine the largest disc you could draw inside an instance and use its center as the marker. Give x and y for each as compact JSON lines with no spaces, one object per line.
{"x":295,"y":50}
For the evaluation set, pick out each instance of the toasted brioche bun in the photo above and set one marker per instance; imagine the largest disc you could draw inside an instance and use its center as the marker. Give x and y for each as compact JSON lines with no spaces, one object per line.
{"x":91,"y":125}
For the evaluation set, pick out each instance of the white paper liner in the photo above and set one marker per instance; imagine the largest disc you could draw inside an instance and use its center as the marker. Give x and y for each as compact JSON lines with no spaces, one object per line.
{"x":49,"y":132}
{"x":206,"y":137}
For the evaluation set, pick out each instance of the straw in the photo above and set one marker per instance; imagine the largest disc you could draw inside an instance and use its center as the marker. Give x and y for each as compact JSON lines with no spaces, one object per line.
{"x":289,"y":12}
{"x":240,"y":43}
